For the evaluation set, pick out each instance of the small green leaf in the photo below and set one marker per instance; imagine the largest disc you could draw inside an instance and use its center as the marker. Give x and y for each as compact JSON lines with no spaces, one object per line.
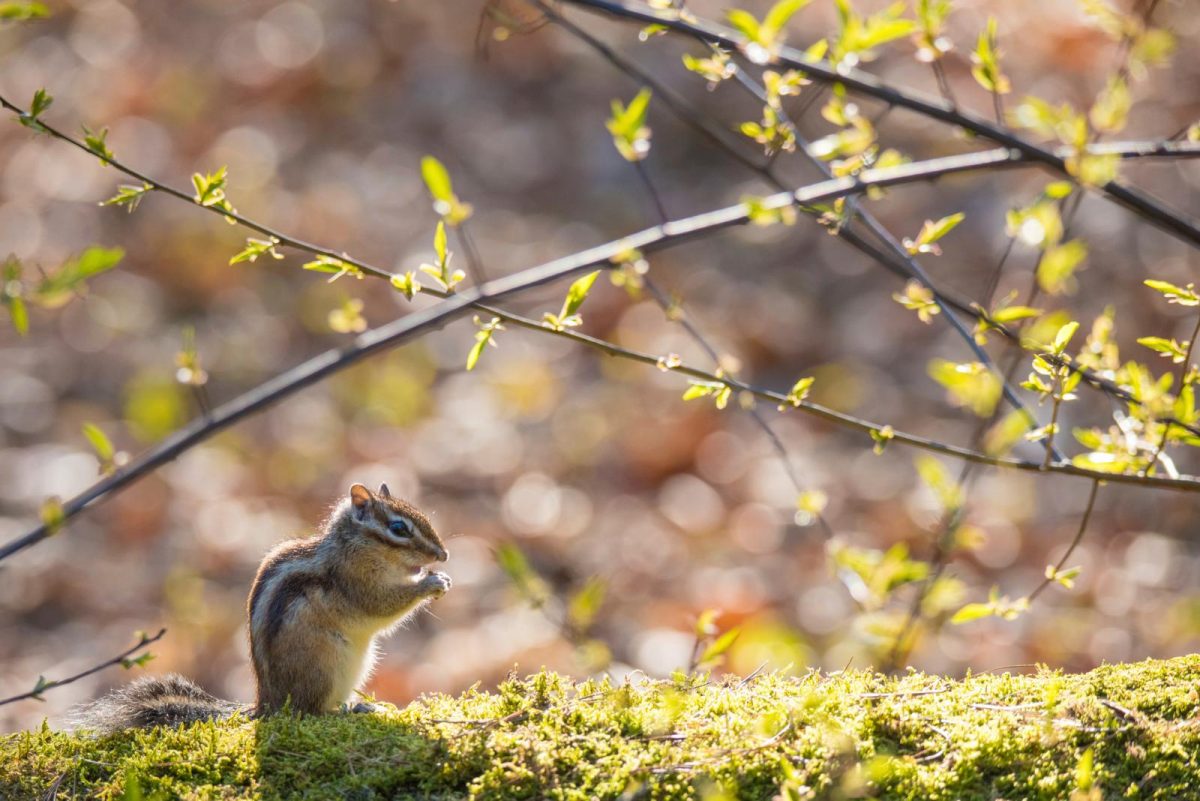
{"x":970,"y":384}
{"x":585,"y":604}
{"x":578,"y":293}
{"x":1006,"y":433}
{"x":1167,"y":347}
{"x":971,"y":612}
{"x":348,"y":318}
{"x":919,"y":298}
{"x":881,"y":437}
{"x":210,"y":192}
{"x":23,"y":11}
{"x":255,"y":248}
{"x":138,"y":661}
{"x":986,"y":62}
{"x":1094,"y":169}
{"x":798,"y":393}
{"x":41,"y":101}
{"x":100,"y":443}
{"x":59,"y":287}
{"x":1056,"y":268}
{"x":39,"y":687}
{"x":1057,"y":190}
{"x":810,"y":504}
{"x":934,"y":475}
{"x":762,"y":214}
{"x":128,"y":196}
{"x":1111,"y":108}
{"x":1010,"y":314}
{"x":1063,"y":337}
{"x":627,"y":125}
{"x":930,"y":233}
{"x":718,"y":647}
{"x":777,"y":17}
{"x":446,"y":278}
{"x":52,"y":514}
{"x":483,"y":337}
{"x":1065,"y":577}
{"x":527,"y":582}
{"x":96,"y":142}
{"x":19,"y":315}
{"x":407,"y":283}
{"x":452,"y":210}
{"x":332,"y":265}
{"x":1084,"y":774}
{"x":719,"y":391}
{"x":1174,"y":294}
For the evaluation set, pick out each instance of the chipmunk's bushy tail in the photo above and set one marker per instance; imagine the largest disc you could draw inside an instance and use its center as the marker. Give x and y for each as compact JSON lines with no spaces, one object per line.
{"x":153,"y":701}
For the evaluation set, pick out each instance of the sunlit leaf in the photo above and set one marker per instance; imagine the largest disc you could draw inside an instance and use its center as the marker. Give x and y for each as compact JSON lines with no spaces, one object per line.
{"x":22,"y":11}
{"x":628,"y":127}
{"x":437,"y":179}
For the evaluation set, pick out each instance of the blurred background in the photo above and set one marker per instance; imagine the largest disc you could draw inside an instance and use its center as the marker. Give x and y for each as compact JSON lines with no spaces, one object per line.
{"x":592,"y":467}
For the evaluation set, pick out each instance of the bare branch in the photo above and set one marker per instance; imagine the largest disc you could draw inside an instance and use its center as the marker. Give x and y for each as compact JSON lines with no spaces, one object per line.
{"x":125,"y":658}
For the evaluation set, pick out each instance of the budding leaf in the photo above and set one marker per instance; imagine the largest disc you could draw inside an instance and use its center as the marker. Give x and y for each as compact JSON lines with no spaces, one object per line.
{"x":627,"y":125}
{"x":348,"y":318}
{"x":483,"y":338}
{"x":57,"y":288}
{"x":128,"y":196}
{"x":719,"y":646}
{"x":882,"y":437}
{"x":798,"y":393}
{"x":95,"y":141}
{"x":1056,"y":269}
{"x":52,"y":514}
{"x":1167,"y":347}
{"x":446,"y":278}
{"x":100,"y":443}
{"x":407,"y":283}
{"x":986,"y":62}
{"x":255,"y":248}
{"x":23,"y":11}
{"x":41,"y":101}
{"x":585,"y":604}
{"x":1174,"y":294}
{"x":970,"y":612}
{"x":930,"y":233}
{"x":453,"y":211}
{"x":210,"y":192}
{"x":522,"y":575}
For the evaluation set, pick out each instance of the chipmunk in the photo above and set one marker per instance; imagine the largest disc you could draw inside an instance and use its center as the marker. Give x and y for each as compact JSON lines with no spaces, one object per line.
{"x":315,"y":612}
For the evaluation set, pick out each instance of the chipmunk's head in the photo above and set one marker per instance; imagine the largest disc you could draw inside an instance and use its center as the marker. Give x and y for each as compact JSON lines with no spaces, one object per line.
{"x":396,"y":525}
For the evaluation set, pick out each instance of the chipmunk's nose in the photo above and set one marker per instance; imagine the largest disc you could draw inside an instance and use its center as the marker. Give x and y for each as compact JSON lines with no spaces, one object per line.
{"x":442,"y":556}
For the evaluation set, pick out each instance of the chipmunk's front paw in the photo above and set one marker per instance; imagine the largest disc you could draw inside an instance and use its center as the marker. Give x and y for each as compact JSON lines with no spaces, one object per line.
{"x":435,"y":584}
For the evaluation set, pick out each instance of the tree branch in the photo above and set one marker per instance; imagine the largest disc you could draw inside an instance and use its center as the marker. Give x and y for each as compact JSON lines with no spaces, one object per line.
{"x":867,"y":84}
{"x":648,"y":240}
{"x":122,"y":658}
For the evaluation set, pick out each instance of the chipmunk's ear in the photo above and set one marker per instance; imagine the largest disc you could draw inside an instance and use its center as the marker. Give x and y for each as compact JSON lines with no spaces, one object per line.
{"x":360,"y":496}
{"x":383,"y":491}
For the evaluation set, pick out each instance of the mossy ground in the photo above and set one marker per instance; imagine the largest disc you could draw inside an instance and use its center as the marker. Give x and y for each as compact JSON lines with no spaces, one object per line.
{"x":847,"y":735}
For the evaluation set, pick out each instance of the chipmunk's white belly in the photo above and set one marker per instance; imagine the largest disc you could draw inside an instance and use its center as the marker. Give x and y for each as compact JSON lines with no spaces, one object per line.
{"x":356,"y":661}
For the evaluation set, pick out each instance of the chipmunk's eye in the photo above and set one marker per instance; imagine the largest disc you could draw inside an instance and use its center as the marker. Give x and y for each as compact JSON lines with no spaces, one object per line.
{"x":400,"y":526}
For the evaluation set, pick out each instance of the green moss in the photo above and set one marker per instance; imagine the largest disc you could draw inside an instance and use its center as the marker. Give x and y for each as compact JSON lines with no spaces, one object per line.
{"x":847,"y":735}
